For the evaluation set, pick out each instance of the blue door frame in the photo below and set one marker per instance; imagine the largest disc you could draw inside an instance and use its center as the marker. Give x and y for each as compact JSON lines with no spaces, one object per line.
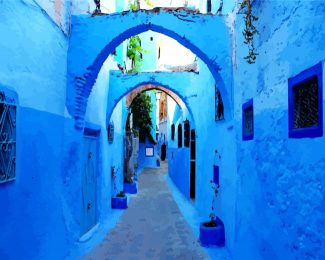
{"x":89,"y":180}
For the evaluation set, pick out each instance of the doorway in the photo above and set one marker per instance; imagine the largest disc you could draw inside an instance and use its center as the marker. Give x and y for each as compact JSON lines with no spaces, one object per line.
{"x":89,"y":180}
{"x":192,"y":164}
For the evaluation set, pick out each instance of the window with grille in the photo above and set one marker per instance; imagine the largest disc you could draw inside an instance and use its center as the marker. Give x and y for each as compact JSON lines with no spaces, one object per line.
{"x":305,"y":103}
{"x":173,"y":131}
{"x":8,"y":108}
{"x":248,"y":120}
{"x":110,"y":132}
{"x":180,"y":136}
{"x":186,"y":133}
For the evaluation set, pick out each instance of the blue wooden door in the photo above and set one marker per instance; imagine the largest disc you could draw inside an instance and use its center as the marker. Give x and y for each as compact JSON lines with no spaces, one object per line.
{"x":89,"y":174}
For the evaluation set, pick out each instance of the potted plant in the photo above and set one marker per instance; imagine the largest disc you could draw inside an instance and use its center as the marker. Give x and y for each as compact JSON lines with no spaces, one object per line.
{"x":212,"y":232}
{"x":129,"y":186}
{"x":119,"y":201}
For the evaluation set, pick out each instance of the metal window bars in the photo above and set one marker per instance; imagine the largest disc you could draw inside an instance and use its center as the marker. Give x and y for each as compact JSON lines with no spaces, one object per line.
{"x":7,"y":137}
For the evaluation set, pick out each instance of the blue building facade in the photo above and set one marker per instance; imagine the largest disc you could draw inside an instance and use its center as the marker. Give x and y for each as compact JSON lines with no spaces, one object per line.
{"x":68,"y":91}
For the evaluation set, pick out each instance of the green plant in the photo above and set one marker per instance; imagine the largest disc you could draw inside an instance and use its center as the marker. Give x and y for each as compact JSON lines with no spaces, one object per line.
{"x":134,"y":53}
{"x":134,"y":5}
{"x":114,"y":175}
{"x":215,"y":187}
{"x":141,"y":108}
{"x":250,"y":31}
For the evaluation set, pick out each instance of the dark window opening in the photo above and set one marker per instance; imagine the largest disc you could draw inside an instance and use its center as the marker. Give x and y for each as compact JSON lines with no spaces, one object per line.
{"x":219,"y":108}
{"x":110,"y":133}
{"x":209,"y":6}
{"x":151,"y":38}
{"x":187,"y":133}
{"x":248,"y":121}
{"x":180,"y":136}
{"x":192,"y":145}
{"x":306,"y":103}
{"x":159,"y":53}
{"x":192,"y":165}
{"x":173,"y":131}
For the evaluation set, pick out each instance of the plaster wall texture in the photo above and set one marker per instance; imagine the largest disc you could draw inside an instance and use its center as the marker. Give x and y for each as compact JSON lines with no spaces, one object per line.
{"x":33,"y":53}
{"x":280,"y":196}
{"x":149,"y":44}
{"x":147,"y":161}
{"x":59,"y":11}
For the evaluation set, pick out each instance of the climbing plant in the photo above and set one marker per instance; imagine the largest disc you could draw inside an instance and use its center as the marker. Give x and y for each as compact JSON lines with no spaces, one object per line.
{"x":141,"y":108}
{"x":250,"y":31}
{"x":134,"y":5}
{"x":134,"y":53}
{"x":134,"y":49}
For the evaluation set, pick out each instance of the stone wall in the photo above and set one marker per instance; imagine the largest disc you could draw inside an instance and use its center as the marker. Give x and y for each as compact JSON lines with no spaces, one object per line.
{"x":280,"y":196}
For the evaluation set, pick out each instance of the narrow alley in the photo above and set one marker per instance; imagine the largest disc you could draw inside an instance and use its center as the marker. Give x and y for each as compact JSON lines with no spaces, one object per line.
{"x":152,"y":227}
{"x":162,"y":129}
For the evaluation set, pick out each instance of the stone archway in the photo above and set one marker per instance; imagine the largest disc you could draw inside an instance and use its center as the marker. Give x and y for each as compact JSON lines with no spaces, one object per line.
{"x":172,"y":82}
{"x":93,"y":39}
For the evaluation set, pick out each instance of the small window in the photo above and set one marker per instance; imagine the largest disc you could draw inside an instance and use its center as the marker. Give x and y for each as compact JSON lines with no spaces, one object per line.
{"x":110,"y":133}
{"x":180,"y":136}
{"x":248,"y":120}
{"x":8,"y":107}
{"x":149,"y":152}
{"x":186,"y":133}
{"x":219,"y":107}
{"x":173,"y":131}
{"x":209,"y":7}
{"x":305,"y":103}
{"x":193,"y":148}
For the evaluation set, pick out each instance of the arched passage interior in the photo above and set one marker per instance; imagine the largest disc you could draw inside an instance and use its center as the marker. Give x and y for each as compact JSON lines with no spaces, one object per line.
{"x":183,"y":177}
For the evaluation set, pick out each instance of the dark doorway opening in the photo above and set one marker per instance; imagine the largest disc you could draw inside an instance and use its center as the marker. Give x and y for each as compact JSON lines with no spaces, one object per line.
{"x":192,"y":165}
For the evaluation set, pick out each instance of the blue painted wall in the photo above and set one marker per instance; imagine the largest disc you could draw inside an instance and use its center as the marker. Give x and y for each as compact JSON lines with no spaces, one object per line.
{"x":31,"y":206}
{"x":178,"y":168}
{"x":145,"y":161}
{"x":280,"y":208}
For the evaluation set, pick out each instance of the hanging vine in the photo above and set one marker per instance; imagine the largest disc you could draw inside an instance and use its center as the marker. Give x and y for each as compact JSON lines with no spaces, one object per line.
{"x":250,"y":31}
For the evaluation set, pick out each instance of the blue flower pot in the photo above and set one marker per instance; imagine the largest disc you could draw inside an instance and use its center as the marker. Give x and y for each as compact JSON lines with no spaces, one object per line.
{"x":212,"y":236}
{"x":119,"y":202}
{"x":130,"y":188}
{"x":158,"y":163}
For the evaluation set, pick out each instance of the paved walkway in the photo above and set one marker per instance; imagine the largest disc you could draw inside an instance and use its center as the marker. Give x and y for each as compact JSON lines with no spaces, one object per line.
{"x":152,"y":227}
